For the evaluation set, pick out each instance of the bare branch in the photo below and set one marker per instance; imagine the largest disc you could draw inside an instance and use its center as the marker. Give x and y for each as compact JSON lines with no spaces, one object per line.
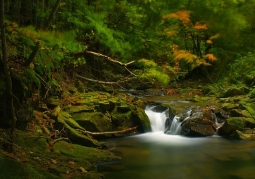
{"x":112,"y":132}
{"x":96,"y":81}
{"x":109,"y":58}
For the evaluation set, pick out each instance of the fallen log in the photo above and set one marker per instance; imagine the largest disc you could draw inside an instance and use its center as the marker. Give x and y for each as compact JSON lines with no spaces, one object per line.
{"x":112,"y":132}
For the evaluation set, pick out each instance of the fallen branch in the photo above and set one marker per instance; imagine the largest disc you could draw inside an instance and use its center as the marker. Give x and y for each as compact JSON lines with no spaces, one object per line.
{"x":112,"y":132}
{"x":108,"y":58}
{"x":96,"y":81}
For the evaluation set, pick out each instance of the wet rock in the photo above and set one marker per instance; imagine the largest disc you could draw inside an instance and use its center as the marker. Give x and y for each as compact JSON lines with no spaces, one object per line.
{"x":65,"y":121}
{"x":141,"y":119}
{"x":235,"y":123}
{"x":247,"y":133}
{"x":159,"y":108}
{"x":123,"y":108}
{"x":197,"y":127}
{"x":93,"y":121}
{"x":240,"y":113}
{"x":229,"y":106}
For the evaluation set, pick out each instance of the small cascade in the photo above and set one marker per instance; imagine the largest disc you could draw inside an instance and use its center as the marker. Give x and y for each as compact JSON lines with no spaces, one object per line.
{"x":175,"y":128}
{"x":163,"y":120}
{"x":157,"y":119}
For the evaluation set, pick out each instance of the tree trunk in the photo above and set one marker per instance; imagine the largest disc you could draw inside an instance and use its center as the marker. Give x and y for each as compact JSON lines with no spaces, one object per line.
{"x":33,"y":54}
{"x":7,"y":74}
{"x":37,"y":45}
{"x":52,"y":14}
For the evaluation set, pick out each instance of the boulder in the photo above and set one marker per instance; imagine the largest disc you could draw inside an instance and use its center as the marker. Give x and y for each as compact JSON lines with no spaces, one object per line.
{"x":141,"y":120}
{"x":65,"y":121}
{"x":245,"y":134}
{"x":93,"y":121}
{"x":197,"y":127}
{"x":233,"y":124}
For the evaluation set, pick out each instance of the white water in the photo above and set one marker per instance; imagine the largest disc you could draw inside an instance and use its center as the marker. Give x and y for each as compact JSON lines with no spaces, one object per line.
{"x":158,"y":120}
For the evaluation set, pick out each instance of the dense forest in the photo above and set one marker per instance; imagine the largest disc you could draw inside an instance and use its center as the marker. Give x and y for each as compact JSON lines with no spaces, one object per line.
{"x":53,"y":48}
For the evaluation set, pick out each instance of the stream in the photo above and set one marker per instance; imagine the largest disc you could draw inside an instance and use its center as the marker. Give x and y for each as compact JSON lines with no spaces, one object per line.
{"x":157,"y":155}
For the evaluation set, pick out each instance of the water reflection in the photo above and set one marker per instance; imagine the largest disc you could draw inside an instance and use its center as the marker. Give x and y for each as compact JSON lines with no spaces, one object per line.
{"x":155,"y":155}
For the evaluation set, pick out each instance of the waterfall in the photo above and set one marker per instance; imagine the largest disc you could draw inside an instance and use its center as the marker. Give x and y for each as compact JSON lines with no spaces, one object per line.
{"x":176,"y":124}
{"x":157,"y":119}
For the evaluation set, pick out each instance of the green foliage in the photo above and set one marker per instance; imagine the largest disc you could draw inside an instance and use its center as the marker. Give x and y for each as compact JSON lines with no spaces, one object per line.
{"x":154,"y":72}
{"x":242,"y":69}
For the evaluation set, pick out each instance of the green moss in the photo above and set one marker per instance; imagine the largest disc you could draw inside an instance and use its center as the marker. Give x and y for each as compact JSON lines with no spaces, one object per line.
{"x":76,"y":109}
{"x":228,"y":106}
{"x":143,"y":120}
{"x":81,"y":152}
{"x":239,"y":135}
{"x":76,"y":137}
{"x":13,"y":169}
{"x":93,"y":122}
{"x":236,"y":121}
{"x":123,"y":119}
{"x":200,"y":98}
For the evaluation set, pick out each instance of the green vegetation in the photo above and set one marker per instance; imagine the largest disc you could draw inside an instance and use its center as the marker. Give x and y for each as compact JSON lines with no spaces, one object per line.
{"x":53,"y":50}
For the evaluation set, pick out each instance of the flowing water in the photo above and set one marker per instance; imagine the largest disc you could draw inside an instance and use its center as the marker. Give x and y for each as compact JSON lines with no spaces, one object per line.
{"x":156,"y":155}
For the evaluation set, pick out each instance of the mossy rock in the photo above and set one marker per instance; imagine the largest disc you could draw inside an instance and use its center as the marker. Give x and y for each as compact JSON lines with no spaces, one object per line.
{"x":123,"y":108}
{"x":229,"y":106}
{"x":123,"y":119}
{"x":65,"y":120}
{"x":105,"y":106}
{"x":83,"y":153}
{"x":240,"y":113}
{"x":140,"y":103}
{"x":175,"y":109}
{"x":13,"y":169}
{"x":77,"y":109}
{"x":249,"y":107}
{"x":232,"y":124}
{"x":93,"y":122}
{"x":142,"y":120}
{"x":240,"y":135}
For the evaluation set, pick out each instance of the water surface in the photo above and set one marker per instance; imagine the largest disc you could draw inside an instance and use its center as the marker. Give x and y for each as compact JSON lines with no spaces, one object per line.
{"x":156,"y":155}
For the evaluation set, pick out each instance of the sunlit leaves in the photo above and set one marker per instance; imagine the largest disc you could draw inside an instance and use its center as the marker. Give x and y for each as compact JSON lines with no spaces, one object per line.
{"x":185,"y":55}
{"x":200,"y":26}
{"x":210,"y":57}
{"x":153,"y":71}
{"x":182,"y":15}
